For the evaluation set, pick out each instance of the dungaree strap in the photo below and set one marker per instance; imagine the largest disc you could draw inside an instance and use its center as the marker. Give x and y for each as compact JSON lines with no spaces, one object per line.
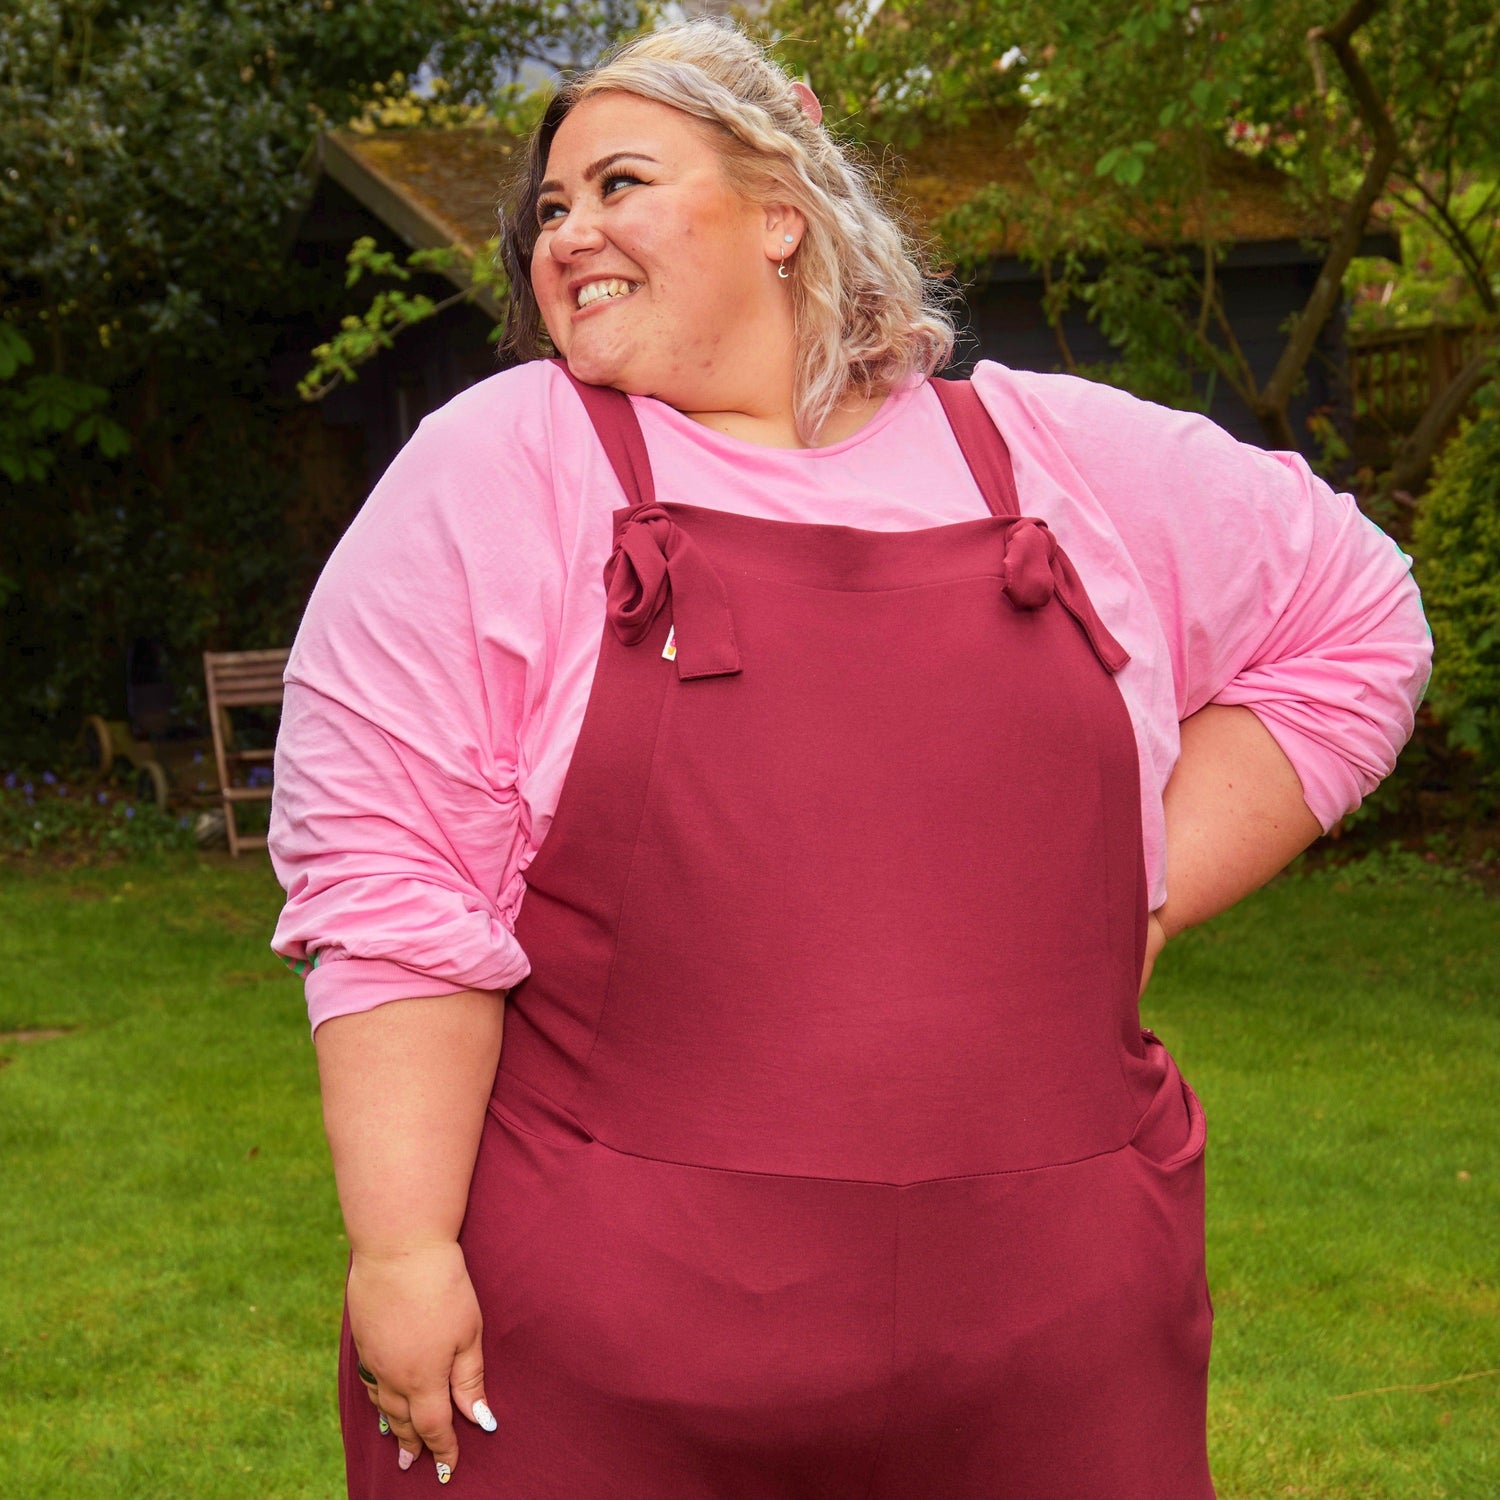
{"x":983,"y":447}
{"x":619,"y":431}
{"x":653,"y":558}
{"x":1036,"y":567}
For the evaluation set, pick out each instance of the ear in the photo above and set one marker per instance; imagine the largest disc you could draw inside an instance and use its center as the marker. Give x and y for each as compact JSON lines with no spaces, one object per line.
{"x":781,"y":220}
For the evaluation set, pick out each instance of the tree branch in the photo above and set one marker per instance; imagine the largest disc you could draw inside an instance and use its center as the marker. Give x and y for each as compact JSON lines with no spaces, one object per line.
{"x":1233,"y":365}
{"x":1442,"y":220}
{"x":1271,"y":404}
{"x":1055,"y":317}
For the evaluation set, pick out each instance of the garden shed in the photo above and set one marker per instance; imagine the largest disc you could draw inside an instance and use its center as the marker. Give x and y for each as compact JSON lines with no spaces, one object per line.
{"x":423,"y":188}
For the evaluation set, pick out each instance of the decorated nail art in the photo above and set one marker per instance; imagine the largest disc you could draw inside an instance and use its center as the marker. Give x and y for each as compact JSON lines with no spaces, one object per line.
{"x":485,"y":1417}
{"x":405,"y":1460}
{"x":385,"y":1425}
{"x":444,"y":1472}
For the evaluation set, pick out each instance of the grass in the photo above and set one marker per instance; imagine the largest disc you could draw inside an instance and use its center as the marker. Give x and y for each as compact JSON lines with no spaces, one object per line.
{"x":172,"y":1262}
{"x":1343,"y":1037}
{"x":171,"y":1250}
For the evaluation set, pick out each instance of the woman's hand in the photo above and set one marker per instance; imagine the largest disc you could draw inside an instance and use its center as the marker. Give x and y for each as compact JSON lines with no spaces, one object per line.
{"x":1156,"y":940}
{"x":417,"y":1326}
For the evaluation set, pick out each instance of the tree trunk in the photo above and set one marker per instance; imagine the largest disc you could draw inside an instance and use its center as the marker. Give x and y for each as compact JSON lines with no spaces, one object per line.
{"x":1271,"y":403}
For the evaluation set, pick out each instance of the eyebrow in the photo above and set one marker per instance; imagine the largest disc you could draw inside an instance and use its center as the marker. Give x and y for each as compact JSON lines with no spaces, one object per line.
{"x":599,"y":168}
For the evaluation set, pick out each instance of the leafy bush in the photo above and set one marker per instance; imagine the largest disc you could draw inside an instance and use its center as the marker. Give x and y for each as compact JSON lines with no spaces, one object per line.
{"x":43,"y":814}
{"x":1457,"y":545}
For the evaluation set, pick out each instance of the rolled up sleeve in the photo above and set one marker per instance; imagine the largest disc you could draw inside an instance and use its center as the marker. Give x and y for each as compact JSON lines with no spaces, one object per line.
{"x":1275,"y":593}
{"x":398,"y":826}
{"x":1337,"y":676}
{"x":394,"y":870}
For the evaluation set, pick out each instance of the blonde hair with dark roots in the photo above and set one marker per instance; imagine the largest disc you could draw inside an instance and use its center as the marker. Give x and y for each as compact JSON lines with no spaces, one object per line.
{"x":866,"y":316}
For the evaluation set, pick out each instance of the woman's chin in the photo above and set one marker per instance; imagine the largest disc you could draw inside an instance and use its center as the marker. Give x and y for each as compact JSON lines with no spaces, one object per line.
{"x":592,"y":366}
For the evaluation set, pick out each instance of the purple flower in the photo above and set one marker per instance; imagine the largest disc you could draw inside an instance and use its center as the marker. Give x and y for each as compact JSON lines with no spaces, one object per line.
{"x":103,"y":798}
{"x":129,"y":812}
{"x":10,"y":781}
{"x":48,"y":778}
{"x":28,"y":789}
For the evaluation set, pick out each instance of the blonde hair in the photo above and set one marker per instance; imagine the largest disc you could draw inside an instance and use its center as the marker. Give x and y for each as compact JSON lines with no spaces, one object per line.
{"x":867,"y":317}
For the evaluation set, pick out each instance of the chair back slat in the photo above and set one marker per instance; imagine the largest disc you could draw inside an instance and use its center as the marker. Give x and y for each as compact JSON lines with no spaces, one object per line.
{"x":239,"y":694}
{"x":240,"y":679}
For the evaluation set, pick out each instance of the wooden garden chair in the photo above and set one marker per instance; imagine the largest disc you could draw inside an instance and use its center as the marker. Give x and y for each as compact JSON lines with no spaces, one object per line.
{"x":240,"y":679}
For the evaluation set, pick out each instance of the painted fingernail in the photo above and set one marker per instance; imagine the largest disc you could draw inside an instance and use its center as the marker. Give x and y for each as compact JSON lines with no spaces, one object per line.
{"x":405,"y":1460}
{"x":444,"y":1472}
{"x":385,"y":1426}
{"x":485,"y":1417}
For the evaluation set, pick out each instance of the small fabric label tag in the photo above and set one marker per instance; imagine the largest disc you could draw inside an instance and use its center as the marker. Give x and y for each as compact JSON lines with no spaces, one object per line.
{"x":669,"y":651}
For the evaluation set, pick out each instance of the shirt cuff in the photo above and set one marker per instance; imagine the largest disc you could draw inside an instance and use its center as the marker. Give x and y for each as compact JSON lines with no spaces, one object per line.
{"x":347,"y":986}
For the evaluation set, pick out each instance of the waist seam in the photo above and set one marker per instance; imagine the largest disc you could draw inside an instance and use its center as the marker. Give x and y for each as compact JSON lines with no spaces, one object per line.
{"x":509,"y":1119}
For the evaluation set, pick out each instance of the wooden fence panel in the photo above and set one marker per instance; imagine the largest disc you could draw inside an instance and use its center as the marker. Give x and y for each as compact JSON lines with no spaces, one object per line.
{"x":1395,"y":376}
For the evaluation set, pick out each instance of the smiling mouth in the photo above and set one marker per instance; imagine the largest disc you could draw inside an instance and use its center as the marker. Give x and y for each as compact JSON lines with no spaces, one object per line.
{"x":600,"y":291}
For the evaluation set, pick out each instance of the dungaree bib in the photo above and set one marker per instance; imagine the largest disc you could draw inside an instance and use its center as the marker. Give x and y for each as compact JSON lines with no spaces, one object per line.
{"x":827,"y":1157}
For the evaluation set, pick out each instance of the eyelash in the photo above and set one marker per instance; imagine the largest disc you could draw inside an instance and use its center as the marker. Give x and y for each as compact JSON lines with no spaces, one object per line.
{"x":545,"y":207}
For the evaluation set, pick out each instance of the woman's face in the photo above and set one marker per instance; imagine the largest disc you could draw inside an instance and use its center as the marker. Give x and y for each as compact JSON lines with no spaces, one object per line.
{"x":653,"y":275}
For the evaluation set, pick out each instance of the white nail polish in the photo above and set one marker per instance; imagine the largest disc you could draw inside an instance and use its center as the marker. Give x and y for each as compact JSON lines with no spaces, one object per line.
{"x":444,"y":1472}
{"x":405,"y":1460}
{"x":485,"y":1417}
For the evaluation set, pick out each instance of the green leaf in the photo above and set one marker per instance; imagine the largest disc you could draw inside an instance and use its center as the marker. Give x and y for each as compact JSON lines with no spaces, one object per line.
{"x":14,"y":351}
{"x":113,"y":440}
{"x":53,"y":403}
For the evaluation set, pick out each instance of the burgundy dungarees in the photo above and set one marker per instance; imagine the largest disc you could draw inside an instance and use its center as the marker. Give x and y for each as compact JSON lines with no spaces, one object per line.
{"x":827,"y":1157}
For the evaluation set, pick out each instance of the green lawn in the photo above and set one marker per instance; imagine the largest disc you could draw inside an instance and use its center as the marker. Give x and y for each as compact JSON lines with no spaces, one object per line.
{"x":171,"y":1257}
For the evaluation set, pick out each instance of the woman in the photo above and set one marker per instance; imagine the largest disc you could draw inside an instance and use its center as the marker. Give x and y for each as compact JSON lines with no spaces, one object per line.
{"x":851,"y":796}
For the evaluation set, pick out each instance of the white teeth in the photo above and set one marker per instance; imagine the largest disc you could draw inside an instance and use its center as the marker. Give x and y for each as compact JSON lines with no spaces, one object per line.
{"x":598,"y":289}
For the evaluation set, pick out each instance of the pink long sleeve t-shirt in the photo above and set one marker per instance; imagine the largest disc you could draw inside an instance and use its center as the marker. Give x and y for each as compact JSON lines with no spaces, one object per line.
{"x":439,"y":679}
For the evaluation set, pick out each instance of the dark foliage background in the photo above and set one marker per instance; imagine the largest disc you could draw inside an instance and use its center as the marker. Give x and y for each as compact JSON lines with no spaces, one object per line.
{"x":152,"y":323}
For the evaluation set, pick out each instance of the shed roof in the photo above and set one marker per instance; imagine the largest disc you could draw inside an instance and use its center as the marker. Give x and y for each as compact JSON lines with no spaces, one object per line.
{"x":439,"y":187}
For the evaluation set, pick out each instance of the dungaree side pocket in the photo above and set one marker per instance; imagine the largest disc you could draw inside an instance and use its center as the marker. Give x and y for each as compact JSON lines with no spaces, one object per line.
{"x":1172,"y":1133}
{"x":1168,"y":1148}
{"x":517,"y":1106}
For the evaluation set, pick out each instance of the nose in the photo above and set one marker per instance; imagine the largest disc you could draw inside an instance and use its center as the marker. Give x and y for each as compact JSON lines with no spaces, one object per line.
{"x":579,"y":232}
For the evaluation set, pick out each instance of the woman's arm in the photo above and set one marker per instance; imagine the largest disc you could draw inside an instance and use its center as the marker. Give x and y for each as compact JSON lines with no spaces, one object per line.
{"x":404,"y":1092}
{"x":1235,"y":816}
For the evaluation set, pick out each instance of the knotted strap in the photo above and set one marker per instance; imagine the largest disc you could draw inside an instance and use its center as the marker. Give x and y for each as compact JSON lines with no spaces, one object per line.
{"x":1037,"y":570}
{"x":653,"y":557}
{"x":1036,"y":567}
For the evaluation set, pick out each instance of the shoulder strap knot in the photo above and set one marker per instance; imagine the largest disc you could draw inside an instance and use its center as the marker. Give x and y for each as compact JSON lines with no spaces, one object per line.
{"x":1037,"y":570}
{"x":1029,"y":548}
{"x":653,"y":560}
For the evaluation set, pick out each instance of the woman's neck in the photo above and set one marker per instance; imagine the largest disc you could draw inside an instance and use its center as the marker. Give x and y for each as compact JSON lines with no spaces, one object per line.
{"x":776,"y":427}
